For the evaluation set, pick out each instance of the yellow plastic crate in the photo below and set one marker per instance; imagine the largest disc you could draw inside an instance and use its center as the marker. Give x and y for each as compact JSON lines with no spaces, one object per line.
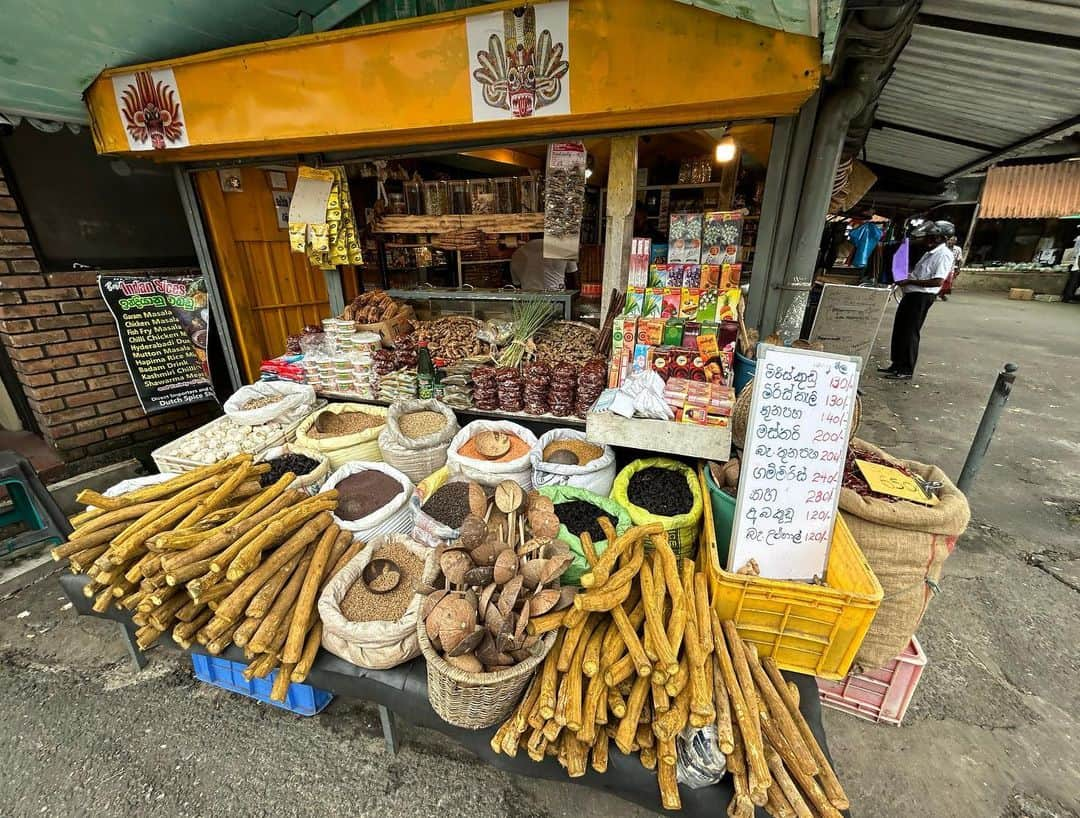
{"x":815,"y":629}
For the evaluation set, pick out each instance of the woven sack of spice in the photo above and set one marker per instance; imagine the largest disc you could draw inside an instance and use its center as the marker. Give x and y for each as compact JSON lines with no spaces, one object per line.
{"x":492,"y":472}
{"x":595,"y":476}
{"x":417,"y":457}
{"x":427,"y":529}
{"x":682,"y":529}
{"x":378,"y":644}
{"x":906,"y":545}
{"x":310,"y":482}
{"x":343,"y":448}
{"x":564,"y":494}
{"x":393,"y":517}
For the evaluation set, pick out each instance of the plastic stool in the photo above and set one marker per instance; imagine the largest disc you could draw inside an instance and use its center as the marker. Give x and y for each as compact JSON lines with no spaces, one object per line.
{"x":32,"y":505}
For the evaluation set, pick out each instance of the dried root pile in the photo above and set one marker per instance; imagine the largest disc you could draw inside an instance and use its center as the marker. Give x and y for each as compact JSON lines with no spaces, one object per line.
{"x":642,"y":655}
{"x":216,"y":559}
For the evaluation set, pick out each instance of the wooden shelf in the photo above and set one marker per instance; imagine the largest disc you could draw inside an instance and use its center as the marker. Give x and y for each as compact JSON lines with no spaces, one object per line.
{"x":493,"y":223}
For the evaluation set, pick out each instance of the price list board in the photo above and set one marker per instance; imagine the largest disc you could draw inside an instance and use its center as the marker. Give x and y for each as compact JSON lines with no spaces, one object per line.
{"x":793,"y":461}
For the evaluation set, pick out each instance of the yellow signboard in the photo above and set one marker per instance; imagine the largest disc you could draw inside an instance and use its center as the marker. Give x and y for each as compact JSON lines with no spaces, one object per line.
{"x":893,"y":482}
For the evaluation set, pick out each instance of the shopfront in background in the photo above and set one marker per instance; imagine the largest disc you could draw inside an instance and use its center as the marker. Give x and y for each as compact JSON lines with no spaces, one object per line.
{"x":236,"y":120}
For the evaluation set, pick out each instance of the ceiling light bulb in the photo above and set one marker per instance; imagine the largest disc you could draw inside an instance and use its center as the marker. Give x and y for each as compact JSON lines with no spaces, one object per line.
{"x":588,"y":172}
{"x":725,"y":150}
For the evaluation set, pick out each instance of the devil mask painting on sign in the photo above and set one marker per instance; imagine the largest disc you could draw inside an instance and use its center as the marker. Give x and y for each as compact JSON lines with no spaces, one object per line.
{"x":517,"y":72}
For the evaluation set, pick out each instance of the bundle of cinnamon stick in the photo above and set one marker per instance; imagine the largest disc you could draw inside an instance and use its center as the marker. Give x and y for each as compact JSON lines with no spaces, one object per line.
{"x":643,"y":655}
{"x":216,"y":559}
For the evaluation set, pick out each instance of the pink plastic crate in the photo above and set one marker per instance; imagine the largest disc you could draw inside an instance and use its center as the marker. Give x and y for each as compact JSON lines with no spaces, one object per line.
{"x":878,"y":695}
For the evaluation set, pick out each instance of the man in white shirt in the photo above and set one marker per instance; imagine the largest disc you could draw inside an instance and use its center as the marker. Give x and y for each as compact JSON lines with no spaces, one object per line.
{"x":531,"y":271}
{"x":921,"y":289}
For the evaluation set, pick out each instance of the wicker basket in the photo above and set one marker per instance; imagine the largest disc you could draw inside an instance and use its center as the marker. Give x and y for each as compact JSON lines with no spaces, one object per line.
{"x":740,"y":415}
{"x":474,"y":700}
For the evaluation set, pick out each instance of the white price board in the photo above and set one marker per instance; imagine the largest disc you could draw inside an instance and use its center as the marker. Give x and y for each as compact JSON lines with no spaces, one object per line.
{"x":848,"y":318}
{"x":793,"y":461}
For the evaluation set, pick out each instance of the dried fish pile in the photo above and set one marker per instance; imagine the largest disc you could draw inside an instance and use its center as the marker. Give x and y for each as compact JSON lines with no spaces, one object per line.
{"x":373,"y":307}
{"x":565,"y":341}
{"x":216,"y":559}
{"x":452,"y":337}
{"x":641,"y":655}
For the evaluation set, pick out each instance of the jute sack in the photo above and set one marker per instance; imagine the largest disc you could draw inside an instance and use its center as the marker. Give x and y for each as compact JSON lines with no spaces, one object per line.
{"x":906,"y":545}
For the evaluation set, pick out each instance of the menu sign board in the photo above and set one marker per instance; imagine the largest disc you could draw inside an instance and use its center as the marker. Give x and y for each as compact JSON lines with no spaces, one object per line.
{"x":793,"y":461}
{"x":163,"y":324}
{"x":848,"y":318}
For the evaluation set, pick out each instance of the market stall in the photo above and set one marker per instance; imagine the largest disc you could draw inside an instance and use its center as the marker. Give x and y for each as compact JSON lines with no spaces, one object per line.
{"x":557,"y":523}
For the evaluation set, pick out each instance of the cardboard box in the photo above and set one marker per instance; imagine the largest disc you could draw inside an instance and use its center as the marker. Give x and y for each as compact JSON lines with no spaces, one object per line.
{"x":390,"y":331}
{"x":1021,"y":294}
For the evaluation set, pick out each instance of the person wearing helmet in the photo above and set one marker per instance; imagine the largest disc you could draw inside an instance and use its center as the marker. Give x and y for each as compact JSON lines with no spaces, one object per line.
{"x":920,"y":289}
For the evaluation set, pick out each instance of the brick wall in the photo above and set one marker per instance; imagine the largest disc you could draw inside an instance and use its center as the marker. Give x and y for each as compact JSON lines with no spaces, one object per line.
{"x":63,"y":345}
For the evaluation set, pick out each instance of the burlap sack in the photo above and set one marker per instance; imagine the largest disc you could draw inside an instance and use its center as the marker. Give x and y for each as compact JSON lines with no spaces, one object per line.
{"x":906,"y":545}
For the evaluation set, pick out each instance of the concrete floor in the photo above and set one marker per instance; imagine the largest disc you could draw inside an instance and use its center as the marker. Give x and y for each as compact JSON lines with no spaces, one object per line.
{"x":992,"y":731}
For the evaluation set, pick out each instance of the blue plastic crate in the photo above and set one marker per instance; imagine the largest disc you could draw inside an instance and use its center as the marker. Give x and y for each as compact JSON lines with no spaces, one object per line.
{"x":302,"y":699}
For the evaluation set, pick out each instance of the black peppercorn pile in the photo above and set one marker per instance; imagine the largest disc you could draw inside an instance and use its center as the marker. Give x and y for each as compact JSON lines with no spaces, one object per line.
{"x":579,"y":515}
{"x":298,"y":464}
{"x":449,"y":504}
{"x":660,"y":491}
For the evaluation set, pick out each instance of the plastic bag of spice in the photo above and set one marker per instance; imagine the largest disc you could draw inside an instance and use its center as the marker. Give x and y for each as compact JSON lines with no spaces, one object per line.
{"x":384,"y":509}
{"x":362,"y":444}
{"x":665,"y":500}
{"x":310,"y":481}
{"x":425,"y":528}
{"x":560,"y":495}
{"x":408,"y":449}
{"x":596,"y":475}
{"x":377,"y":644}
{"x":491,"y":472}
{"x":263,"y":402}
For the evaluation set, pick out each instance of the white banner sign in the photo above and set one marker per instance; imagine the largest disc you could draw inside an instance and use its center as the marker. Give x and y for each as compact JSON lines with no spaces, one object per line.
{"x":793,"y":461}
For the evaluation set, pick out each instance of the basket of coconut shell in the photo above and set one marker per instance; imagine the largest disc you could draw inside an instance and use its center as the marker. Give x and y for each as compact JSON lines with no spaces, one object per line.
{"x":481,"y":592}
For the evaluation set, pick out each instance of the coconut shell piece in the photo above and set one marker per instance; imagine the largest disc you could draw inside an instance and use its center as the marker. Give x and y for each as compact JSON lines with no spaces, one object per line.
{"x":566,"y":597}
{"x":486,"y":595}
{"x":494,"y":619}
{"x":544,"y":601}
{"x":492,"y":445}
{"x":449,"y":608}
{"x":554,"y":568}
{"x":538,"y":502}
{"x":543,"y":523}
{"x":455,"y":564}
{"x":555,"y":548}
{"x":479,"y":576}
{"x":530,"y":573}
{"x":509,"y":496}
{"x":473,"y":530}
{"x":506,"y":566}
{"x":468,"y":644}
{"x":458,"y":622}
{"x":509,"y":596}
{"x":521,"y":654}
{"x":467,"y":662}
{"x":522,"y":621}
{"x":430,"y":602}
{"x":484,"y":554}
{"x":490,"y":655}
{"x":478,"y":500}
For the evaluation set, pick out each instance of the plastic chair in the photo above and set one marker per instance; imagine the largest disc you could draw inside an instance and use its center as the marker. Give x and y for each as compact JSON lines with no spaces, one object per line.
{"x":32,"y":505}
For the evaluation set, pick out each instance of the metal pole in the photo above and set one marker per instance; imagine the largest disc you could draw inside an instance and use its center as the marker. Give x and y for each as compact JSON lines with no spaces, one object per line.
{"x":985,"y":433}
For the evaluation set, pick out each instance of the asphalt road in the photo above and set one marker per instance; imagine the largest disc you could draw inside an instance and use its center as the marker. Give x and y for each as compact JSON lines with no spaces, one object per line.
{"x":992,"y":730}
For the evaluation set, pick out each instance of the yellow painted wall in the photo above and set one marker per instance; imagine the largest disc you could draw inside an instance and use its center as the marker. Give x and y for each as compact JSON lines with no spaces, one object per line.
{"x":634,"y":64}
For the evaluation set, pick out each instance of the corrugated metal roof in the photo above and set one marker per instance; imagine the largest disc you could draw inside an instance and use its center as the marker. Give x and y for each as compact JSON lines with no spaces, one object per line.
{"x":915,"y":153}
{"x":1031,"y":192}
{"x":982,"y":90}
{"x":1031,"y":15}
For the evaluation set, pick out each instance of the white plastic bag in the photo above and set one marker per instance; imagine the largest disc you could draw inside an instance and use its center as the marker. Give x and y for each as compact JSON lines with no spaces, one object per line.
{"x":310,"y":482}
{"x":595,"y":476}
{"x":700,"y":761}
{"x":377,"y":645}
{"x":293,"y":402}
{"x":393,"y":518}
{"x":489,"y":472}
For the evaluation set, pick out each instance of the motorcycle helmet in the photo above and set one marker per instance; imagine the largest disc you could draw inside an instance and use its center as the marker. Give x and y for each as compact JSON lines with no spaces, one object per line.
{"x":927,"y":229}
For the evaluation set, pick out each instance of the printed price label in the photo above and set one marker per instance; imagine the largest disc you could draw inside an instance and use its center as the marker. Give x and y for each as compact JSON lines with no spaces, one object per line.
{"x":793,"y":461}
